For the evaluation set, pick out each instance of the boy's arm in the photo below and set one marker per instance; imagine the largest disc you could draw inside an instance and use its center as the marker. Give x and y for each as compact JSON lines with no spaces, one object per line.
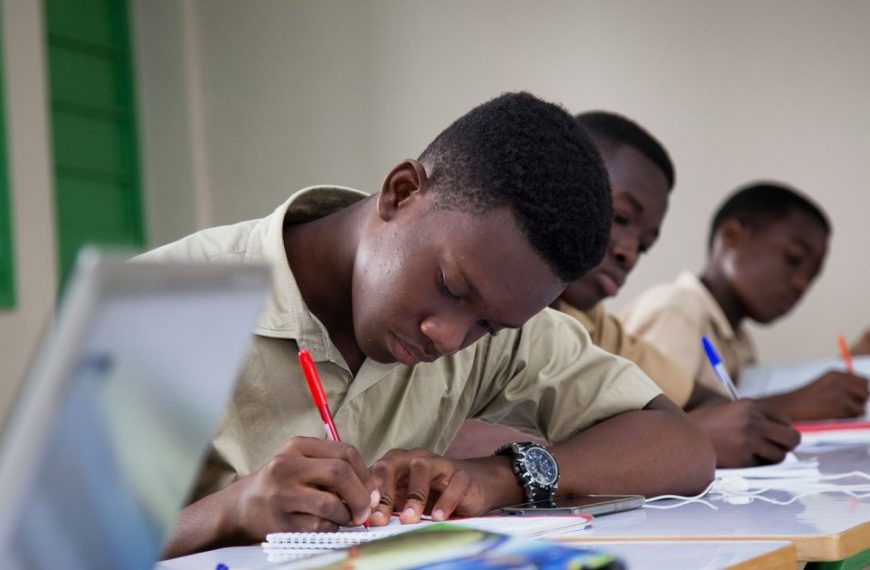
{"x":479,"y":439}
{"x":703,"y":397}
{"x":833,"y":395}
{"x":649,"y":452}
{"x":746,"y":432}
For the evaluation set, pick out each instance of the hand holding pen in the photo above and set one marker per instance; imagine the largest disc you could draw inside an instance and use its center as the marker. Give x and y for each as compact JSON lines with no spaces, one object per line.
{"x":312,"y":378}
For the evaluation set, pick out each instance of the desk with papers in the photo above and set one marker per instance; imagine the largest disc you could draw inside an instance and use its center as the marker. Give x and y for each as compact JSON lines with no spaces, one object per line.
{"x":698,"y":555}
{"x":823,"y":527}
{"x":816,"y":527}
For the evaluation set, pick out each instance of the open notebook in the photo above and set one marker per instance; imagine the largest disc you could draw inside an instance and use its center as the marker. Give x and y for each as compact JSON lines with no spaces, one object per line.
{"x":302,"y":543}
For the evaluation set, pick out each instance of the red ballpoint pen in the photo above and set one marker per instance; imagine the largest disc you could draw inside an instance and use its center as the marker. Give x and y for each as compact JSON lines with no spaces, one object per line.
{"x":317,"y":393}
{"x":844,"y":351}
{"x":319,"y":396}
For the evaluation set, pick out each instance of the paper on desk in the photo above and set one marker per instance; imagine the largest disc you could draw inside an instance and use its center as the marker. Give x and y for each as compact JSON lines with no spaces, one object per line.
{"x":790,"y":468}
{"x":823,"y":440}
{"x":765,"y":380}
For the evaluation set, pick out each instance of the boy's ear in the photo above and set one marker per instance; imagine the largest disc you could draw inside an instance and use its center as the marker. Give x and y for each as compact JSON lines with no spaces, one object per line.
{"x":405,"y":182}
{"x":732,"y":232}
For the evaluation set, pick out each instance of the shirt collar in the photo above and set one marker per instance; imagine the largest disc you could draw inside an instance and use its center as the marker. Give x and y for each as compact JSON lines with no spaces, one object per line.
{"x":724,"y":329}
{"x":286,"y":315}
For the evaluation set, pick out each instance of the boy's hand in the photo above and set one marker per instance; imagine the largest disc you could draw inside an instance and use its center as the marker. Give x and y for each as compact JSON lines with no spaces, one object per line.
{"x":747,"y":432}
{"x":833,"y":395}
{"x":418,"y":482}
{"x":310,"y":485}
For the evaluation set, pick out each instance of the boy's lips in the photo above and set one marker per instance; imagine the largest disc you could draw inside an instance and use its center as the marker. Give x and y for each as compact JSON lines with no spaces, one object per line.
{"x":608,"y":283}
{"x":407,"y":353}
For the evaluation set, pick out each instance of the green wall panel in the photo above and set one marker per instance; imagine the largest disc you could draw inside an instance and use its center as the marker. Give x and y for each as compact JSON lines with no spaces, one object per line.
{"x":97,"y":187}
{"x":7,"y":260}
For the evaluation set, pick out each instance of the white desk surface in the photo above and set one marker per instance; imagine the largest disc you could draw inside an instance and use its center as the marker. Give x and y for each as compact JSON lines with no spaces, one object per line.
{"x":823,"y":527}
{"x":699,"y":555}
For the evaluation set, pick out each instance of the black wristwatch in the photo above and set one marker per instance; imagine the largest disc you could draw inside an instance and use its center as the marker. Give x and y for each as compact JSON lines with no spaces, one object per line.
{"x":536,"y":469}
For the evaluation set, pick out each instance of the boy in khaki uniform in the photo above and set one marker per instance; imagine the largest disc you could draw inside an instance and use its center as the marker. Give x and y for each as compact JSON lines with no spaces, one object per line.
{"x":422,"y":306}
{"x":642,"y":176}
{"x":767,"y":244}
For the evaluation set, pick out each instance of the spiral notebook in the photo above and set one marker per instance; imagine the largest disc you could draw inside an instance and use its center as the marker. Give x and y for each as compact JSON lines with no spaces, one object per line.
{"x":531,"y":527}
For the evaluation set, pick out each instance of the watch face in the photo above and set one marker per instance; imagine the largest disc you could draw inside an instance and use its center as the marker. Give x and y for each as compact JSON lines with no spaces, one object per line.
{"x":541,"y":466}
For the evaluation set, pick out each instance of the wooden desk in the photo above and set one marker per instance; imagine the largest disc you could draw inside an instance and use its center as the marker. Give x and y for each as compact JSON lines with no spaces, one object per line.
{"x":637,"y":556}
{"x":824,"y":527}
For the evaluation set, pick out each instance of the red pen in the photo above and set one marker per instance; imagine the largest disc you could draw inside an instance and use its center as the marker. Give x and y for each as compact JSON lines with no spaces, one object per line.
{"x":317,"y":393}
{"x":844,"y":351}
{"x":319,"y":397}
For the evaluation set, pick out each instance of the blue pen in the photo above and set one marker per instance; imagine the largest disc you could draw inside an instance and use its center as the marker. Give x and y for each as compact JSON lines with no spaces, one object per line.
{"x":719,"y":368}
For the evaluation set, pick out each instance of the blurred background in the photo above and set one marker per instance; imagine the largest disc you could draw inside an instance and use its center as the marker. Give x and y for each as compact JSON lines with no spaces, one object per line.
{"x":135,"y":123}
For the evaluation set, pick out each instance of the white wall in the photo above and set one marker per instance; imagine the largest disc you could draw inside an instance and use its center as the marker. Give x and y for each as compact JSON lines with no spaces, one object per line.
{"x":31,"y":190}
{"x":241,"y":103}
{"x":323,"y":91}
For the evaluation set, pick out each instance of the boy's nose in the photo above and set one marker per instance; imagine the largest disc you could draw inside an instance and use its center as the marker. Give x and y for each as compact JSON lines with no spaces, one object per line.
{"x":446,"y":334}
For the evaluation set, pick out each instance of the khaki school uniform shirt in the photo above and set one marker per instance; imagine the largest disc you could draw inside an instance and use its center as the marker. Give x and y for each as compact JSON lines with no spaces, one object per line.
{"x":608,"y":333}
{"x":545,"y":378}
{"x":673,"y":316}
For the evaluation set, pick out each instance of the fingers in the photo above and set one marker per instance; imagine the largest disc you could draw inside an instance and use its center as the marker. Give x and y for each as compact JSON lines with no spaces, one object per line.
{"x":420,"y":471}
{"x":308,"y":505}
{"x":411,"y":481}
{"x":455,"y":491}
{"x":767,"y":451}
{"x":334,"y":466}
{"x":784,"y":437}
{"x":857,"y":386}
{"x":384,"y":471}
{"x":304,"y":523}
{"x":325,"y":449}
{"x":848,"y":393}
{"x":338,"y":476}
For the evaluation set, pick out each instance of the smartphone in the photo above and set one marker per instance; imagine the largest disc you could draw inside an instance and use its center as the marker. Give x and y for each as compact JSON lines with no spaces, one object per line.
{"x":581,"y":504}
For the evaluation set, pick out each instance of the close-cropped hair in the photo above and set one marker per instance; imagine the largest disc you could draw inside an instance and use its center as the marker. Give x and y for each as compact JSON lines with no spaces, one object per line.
{"x":759,"y":203}
{"x":522,"y":153}
{"x":618,"y":130}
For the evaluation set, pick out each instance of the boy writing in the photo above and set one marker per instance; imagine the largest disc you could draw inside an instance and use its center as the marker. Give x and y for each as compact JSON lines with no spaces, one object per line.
{"x":642,"y":176}
{"x":422,"y":306}
{"x":767,"y":244}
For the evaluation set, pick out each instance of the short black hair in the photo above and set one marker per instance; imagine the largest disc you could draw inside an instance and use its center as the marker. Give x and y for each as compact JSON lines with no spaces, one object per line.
{"x":615,"y":129}
{"x":759,"y":203}
{"x":519,"y":152}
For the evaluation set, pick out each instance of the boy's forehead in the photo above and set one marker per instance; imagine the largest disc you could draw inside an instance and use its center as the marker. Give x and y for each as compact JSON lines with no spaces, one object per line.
{"x":494,"y":258}
{"x":800,"y":228}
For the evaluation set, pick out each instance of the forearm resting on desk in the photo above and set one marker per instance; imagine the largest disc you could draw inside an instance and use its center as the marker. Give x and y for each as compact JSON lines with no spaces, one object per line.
{"x":649,"y":452}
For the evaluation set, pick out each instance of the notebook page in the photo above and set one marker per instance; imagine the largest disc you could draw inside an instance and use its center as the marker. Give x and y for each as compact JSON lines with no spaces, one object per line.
{"x":533,"y":527}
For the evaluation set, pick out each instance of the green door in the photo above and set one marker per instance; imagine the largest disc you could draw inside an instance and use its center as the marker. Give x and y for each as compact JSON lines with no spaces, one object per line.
{"x":7,"y":265}
{"x":93,"y":123}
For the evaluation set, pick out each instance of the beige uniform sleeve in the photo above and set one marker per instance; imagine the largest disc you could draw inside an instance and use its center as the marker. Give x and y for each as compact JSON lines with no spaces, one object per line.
{"x":672,"y":332}
{"x":549,"y":378}
{"x":676,"y":382}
